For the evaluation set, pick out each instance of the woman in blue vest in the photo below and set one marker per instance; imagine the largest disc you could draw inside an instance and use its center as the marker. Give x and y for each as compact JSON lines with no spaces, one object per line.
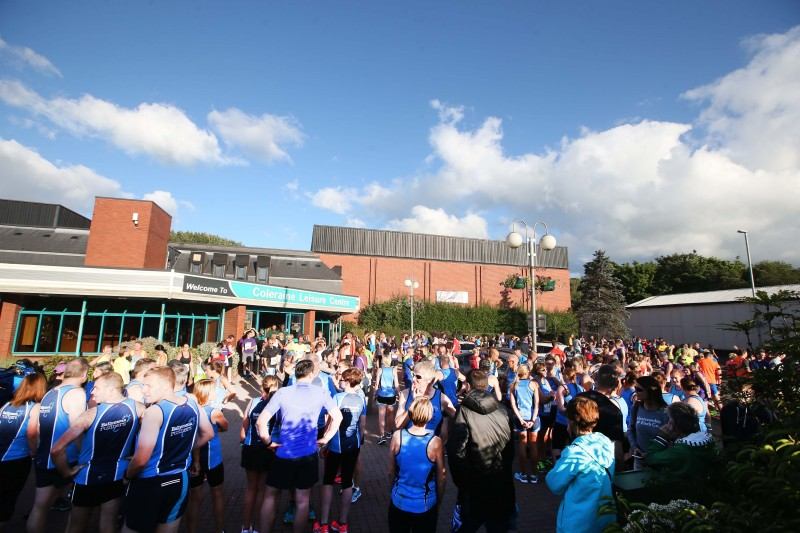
{"x":416,"y":466}
{"x":693,"y":398}
{"x":566,"y":392}
{"x":449,"y":376}
{"x":524,"y":393}
{"x":211,"y":465}
{"x":386,"y":396}
{"x":257,"y":456}
{"x":15,"y":454}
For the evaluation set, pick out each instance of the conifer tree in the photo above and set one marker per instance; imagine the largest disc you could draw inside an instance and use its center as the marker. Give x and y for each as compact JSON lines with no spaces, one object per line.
{"x":601,"y":308}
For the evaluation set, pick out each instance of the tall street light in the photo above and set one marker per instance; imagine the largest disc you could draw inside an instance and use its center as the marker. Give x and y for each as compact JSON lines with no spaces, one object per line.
{"x":548,"y":242}
{"x":749,"y":262}
{"x":412,"y":284}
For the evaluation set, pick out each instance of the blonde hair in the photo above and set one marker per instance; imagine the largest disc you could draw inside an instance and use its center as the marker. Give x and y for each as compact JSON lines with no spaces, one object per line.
{"x":205,"y":390}
{"x":420,"y":411}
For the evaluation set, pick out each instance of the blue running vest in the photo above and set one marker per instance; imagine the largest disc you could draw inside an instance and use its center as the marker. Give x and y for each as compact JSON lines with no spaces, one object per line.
{"x":524,"y":396}
{"x":173,"y":450}
{"x":211,"y":452}
{"x":414,"y":488}
{"x":53,"y":422}
{"x":13,"y":431}
{"x":108,"y":443}
{"x":435,"y":423}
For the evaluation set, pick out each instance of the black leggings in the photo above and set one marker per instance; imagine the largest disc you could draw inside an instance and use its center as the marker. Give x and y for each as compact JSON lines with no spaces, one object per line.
{"x":14,"y":475}
{"x":405,"y":522}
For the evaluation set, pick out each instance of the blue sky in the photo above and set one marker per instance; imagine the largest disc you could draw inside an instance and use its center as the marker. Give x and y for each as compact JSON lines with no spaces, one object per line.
{"x":641,"y":128}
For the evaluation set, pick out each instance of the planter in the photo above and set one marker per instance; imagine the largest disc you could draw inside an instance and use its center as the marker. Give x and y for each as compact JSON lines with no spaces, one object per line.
{"x":549,"y":286}
{"x":521,"y":283}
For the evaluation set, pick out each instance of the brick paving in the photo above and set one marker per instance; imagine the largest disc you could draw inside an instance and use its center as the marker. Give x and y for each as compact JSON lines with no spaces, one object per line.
{"x":538,"y":506}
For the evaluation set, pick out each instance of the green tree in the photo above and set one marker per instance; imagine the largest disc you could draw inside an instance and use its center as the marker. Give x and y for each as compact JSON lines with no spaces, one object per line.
{"x":679,"y":273}
{"x":636,"y":279}
{"x":601,"y":308}
{"x":197,"y":237}
{"x":574,"y":291}
{"x":768,"y":273}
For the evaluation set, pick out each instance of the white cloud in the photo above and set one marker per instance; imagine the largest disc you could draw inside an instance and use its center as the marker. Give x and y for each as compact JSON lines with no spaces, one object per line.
{"x":352,"y":222}
{"x":438,"y":222}
{"x":292,"y":185}
{"x":636,"y":190}
{"x":263,"y":138}
{"x":160,"y":131}
{"x":164,"y":200}
{"x":753,"y":112}
{"x":25,"y":56}
{"x":27,"y":175}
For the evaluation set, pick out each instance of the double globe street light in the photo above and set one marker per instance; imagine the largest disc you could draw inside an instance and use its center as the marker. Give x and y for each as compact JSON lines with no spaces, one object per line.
{"x":548,"y":242}
{"x":412,"y":284}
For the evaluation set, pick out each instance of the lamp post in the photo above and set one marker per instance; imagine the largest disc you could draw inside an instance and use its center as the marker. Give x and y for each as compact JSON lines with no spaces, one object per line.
{"x":749,"y":262}
{"x":548,"y":242}
{"x":412,"y":284}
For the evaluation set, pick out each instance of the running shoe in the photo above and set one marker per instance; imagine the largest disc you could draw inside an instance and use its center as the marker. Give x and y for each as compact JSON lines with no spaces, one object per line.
{"x":356,"y":495}
{"x":320,"y":528}
{"x":519,"y":476}
{"x":336,"y":527}
{"x":533,"y":479}
{"x":288,"y":518}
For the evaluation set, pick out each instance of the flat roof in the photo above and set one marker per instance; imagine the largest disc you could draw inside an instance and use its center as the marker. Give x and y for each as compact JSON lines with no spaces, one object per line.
{"x":708,"y":297}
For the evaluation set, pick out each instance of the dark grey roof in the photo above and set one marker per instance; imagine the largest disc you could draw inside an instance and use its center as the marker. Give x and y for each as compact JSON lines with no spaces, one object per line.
{"x":26,"y":239}
{"x":384,"y":243}
{"x":28,"y":258}
{"x":35,"y":214}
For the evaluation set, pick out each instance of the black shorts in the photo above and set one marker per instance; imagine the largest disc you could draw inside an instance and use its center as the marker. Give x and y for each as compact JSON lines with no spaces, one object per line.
{"x":215,"y":477}
{"x":94,"y":495}
{"x":386,"y":400}
{"x":14,"y":475}
{"x":560,"y":436}
{"x":257,"y":458}
{"x":299,"y":473}
{"x":46,"y":477}
{"x":156,"y":500}
{"x":347,"y":461}
{"x":549,"y":419}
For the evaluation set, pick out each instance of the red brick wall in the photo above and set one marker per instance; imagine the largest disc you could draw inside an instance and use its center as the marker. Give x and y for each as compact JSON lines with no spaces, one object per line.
{"x":234,"y":321}
{"x":9,"y":311}
{"x":378,"y":279}
{"x":115,"y":241}
{"x":310,"y":319}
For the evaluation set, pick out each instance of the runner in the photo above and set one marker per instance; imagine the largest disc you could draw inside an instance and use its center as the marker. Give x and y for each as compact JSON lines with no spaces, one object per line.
{"x":171,"y":428}
{"x":209,"y":458}
{"x":225,"y":393}
{"x":15,"y":451}
{"x":107,"y":434}
{"x":343,"y":450}
{"x":449,"y":378}
{"x":524,"y":394}
{"x":564,"y":394}
{"x":135,"y":388}
{"x":697,"y":403}
{"x":386,"y":396}
{"x":713,"y":374}
{"x":249,"y":346}
{"x":547,"y":416}
{"x":296,"y":462}
{"x":48,"y":421}
{"x":416,"y":468}
{"x":424,"y":385}
{"x":256,"y":456}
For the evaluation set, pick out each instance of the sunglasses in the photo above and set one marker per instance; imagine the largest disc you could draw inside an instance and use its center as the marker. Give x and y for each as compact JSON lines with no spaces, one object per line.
{"x":638,"y":389}
{"x":421,"y":378}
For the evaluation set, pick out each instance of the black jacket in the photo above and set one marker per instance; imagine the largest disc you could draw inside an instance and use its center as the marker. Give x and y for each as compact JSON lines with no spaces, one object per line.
{"x":480,"y":452}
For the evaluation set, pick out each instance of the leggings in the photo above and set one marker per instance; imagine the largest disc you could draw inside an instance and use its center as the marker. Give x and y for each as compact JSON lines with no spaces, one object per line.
{"x":405,"y":522}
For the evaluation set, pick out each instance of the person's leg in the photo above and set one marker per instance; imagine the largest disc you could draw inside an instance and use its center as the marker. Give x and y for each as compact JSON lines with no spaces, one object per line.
{"x":533,"y":456}
{"x":522,"y":452}
{"x":171,"y":527}
{"x":196,"y":495}
{"x":250,"y":497}
{"x":327,"y":498}
{"x":399,"y":521}
{"x":268,"y":508}
{"x":302,"y":499}
{"x":390,"y":415}
{"x":79,"y":519}
{"x":218,"y":501}
{"x":43,"y":499}
{"x":426,"y":522}
{"x":349,"y":467}
{"x":381,"y":419}
{"x":109,"y":512}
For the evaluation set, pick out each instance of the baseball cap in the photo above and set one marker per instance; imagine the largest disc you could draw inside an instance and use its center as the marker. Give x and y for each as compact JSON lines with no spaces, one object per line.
{"x":61,"y":368}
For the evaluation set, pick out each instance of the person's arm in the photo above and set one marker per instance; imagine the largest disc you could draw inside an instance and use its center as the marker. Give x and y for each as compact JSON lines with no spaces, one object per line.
{"x":362,"y":426}
{"x":218,"y":418}
{"x":448,"y":409}
{"x":535,"y":397}
{"x":436,"y":455}
{"x":262,"y":424}
{"x":59,"y":450}
{"x":394,"y":449}
{"x":245,"y":421}
{"x":333,"y":423}
{"x":205,"y":431}
{"x":401,"y":418}
{"x":564,"y":471}
{"x":514,"y":408}
{"x":560,"y":405}
{"x":148,"y":435}
{"x":136,"y":392}
{"x":33,"y":429}
{"x":74,"y":404}
{"x":495,"y":383}
{"x":227,"y":386}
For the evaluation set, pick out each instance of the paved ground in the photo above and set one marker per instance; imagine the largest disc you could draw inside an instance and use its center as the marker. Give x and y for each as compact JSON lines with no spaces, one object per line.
{"x":538,"y":506}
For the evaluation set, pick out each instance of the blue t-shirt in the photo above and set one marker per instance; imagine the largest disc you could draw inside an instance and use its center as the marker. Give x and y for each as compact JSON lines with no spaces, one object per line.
{"x":53,"y":422}
{"x":408,"y":371}
{"x":352,"y":406}
{"x":108,"y":443}
{"x":300,"y":406}
{"x":13,"y":431}
{"x":173,"y":450}
{"x":449,"y":384}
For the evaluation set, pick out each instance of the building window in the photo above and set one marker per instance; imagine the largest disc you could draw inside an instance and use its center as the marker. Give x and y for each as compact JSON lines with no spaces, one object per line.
{"x":261,"y":274}
{"x":195,"y":269}
{"x":219,"y":271}
{"x":241,"y":272}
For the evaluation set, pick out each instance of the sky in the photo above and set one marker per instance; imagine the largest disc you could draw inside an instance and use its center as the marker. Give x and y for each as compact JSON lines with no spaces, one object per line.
{"x":639,"y":128}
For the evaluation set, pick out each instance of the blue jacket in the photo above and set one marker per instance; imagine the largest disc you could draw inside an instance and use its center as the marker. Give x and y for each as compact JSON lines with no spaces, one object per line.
{"x":580,"y":475}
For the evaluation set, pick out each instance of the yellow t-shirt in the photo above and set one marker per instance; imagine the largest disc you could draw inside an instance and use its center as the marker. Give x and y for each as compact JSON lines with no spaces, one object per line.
{"x":123,"y":367}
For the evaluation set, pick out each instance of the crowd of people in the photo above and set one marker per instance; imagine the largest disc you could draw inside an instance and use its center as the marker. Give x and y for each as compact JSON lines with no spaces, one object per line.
{"x":140,"y":441}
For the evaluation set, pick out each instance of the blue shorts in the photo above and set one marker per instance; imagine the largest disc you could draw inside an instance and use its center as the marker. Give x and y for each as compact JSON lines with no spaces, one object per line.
{"x":714,"y":388}
{"x":156,"y":500}
{"x":535,"y":429}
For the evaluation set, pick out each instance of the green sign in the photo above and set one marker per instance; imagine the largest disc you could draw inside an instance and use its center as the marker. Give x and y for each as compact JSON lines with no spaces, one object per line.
{"x":268,"y":293}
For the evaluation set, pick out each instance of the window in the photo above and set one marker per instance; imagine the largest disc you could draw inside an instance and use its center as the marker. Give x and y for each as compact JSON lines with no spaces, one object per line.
{"x":241,"y":272}
{"x":219,"y":271}
{"x":195,"y":268}
{"x":261,"y":274}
